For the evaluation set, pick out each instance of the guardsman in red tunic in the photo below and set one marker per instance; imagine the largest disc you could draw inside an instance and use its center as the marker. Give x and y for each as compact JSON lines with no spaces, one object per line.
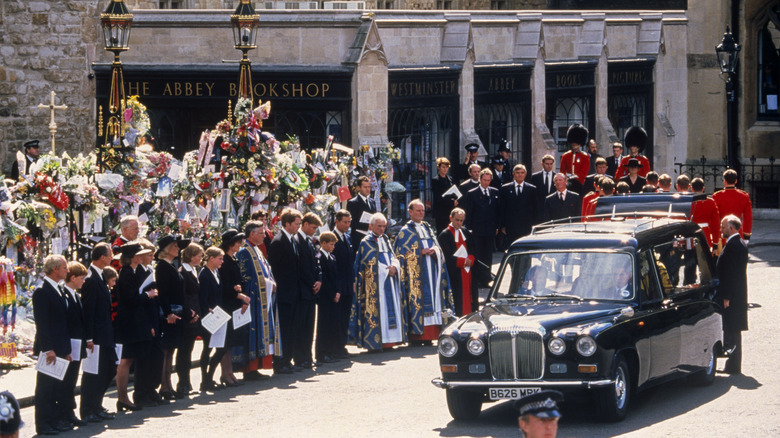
{"x":591,"y":196}
{"x":635,"y":139}
{"x":576,"y":163}
{"x":732,"y":200}
{"x":705,"y":213}
{"x":606,"y":188}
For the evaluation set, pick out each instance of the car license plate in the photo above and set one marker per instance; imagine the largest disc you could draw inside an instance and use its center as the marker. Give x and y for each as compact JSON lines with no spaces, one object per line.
{"x":511,"y":393}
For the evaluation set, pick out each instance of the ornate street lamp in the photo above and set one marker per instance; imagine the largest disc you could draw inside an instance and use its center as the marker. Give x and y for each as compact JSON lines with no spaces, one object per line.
{"x":245,"y":26}
{"x":728,"y":55}
{"x":116,"y":22}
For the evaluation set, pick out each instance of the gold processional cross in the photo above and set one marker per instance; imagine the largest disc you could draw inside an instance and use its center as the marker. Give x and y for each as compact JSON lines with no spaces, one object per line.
{"x":52,"y":122}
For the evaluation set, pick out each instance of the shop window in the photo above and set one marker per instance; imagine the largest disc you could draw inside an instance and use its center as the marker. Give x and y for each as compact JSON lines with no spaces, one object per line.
{"x":769,"y":64}
{"x":172,"y":4}
{"x":627,"y":110}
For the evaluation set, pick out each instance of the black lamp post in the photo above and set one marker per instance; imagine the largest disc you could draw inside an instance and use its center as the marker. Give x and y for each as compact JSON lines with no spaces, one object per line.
{"x":728,"y":56}
{"x":245,"y":26}
{"x":116,"y":22}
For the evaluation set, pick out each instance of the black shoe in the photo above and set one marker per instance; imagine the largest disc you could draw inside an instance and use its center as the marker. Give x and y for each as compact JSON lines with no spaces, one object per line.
{"x":121,"y":407}
{"x":63,"y":426}
{"x":104,"y":414}
{"x":254,"y":376}
{"x":92,"y":418}
{"x":284,"y":370}
{"x":327,"y":359}
{"x":210,"y":386}
{"x":47,"y":431}
{"x":75,"y":421}
{"x":307,"y":364}
{"x":227,"y":384}
{"x":167,"y":395}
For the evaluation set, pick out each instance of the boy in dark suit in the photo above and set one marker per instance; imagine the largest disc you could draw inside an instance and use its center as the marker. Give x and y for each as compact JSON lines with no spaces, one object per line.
{"x":328,"y":302}
{"x":74,"y":282}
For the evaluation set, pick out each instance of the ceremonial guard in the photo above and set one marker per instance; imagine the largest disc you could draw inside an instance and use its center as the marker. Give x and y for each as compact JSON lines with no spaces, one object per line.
{"x":442,"y":205}
{"x":460,"y":262}
{"x":732,"y":200}
{"x":635,"y":140}
{"x":705,"y":213}
{"x":263,"y":338}
{"x":424,"y":277}
{"x":576,"y":163}
{"x":361,"y":203}
{"x":378,"y":319}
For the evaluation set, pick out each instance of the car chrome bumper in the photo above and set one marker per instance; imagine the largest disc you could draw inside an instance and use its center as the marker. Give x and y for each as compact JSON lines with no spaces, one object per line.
{"x":581,"y":384}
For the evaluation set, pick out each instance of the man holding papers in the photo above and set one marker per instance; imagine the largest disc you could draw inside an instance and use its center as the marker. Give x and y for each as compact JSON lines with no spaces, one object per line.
{"x":456,"y":243}
{"x":52,"y":341}
{"x":263,"y":340}
{"x":357,"y":206}
{"x":99,"y":333}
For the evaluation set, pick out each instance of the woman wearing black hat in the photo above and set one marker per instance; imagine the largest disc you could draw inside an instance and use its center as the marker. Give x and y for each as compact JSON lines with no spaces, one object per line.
{"x":232,"y":296}
{"x":170,"y":284}
{"x":133,"y":321}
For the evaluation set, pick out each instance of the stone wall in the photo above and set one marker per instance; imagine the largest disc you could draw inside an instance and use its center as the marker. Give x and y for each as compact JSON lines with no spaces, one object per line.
{"x":45,"y":46}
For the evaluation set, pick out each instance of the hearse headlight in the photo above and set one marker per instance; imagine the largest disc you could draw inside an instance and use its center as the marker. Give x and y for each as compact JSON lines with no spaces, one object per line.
{"x":475,"y":346}
{"x":557,"y":346}
{"x":586,"y":346}
{"x":447,"y":346}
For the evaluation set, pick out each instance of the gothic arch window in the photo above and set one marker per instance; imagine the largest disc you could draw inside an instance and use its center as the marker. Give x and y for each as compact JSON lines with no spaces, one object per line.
{"x":768,"y":68}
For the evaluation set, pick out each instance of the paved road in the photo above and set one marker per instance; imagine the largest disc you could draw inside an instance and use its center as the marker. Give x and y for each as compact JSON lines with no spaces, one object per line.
{"x":390,"y":395}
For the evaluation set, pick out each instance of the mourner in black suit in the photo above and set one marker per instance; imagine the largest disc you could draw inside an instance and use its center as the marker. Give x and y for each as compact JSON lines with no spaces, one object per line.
{"x":191,"y":257}
{"x":98,"y":330}
{"x":170,"y":285}
{"x":233,"y":297}
{"x":482,"y":219}
{"x":563,"y":203}
{"x":613,"y":161}
{"x":31,"y":153}
{"x":441,"y":206}
{"x":470,"y":183}
{"x":328,"y":298}
{"x":137,"y":325}
{"x":311,"y":282}
{"x":463,"y":171}
{"x":283,"y":258}
{"x":362,"y":203}
{"x":210,"y":297}
{"x":345,"y":261}
{"x":543,"y":181}
{"x":732,"y":292}
{"x":52,"y":341}
{"x":518,"y":204}
{"x":601,"y":169}
{"x":634,"y":181}
{"x":455,"y":265}
{"x":73,"y":282}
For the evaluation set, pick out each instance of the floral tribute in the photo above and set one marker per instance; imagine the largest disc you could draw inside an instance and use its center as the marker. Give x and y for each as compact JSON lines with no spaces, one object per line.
{"x":68,"y":203}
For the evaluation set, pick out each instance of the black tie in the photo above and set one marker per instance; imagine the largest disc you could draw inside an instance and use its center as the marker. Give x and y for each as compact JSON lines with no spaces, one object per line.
{"x":295,"y":247}
{"x":560,"y":196}
{"x":546,"y":184}
{"x":63,"y":294}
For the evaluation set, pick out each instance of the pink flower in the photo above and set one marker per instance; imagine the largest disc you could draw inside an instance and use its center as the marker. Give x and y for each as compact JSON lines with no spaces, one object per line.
{"x":128,"y":114}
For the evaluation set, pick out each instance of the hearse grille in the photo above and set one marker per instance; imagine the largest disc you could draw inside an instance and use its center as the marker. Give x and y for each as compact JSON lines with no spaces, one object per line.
{"x":516,"y":355}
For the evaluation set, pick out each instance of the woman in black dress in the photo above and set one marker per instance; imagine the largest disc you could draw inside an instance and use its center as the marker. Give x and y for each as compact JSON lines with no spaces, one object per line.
{"x":210,"y":298}
{"x":191,"y":258}
{"x":133,"y":320}
{"x":232,"y":296}
{"x":170,"y":284}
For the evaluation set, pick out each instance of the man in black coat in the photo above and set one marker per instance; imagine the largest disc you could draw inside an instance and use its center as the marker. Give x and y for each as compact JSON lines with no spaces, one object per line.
{"x":283,"y":258}
{"x":482,"y":219}
{"x":362,"y":203}
{"x":590,"y":180}
{"x":31,"y":153}
{"x":441,"y":206}
{"x":98,"y":330}
{"x":74,"y":281}
{"x":310,"y":284}
{"x":563,"y":203}
{"x":613,"y":161}
{"x":52,"y":341}
{"x":345,"y":259}
{"x":543,"y":181}
{"x":472,"y":182}
{"x":732,"y":292}
{"x":517,"y":206}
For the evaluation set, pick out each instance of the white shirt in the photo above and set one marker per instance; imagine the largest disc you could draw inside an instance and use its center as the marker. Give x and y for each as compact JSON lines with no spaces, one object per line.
{"x":188,"y":267}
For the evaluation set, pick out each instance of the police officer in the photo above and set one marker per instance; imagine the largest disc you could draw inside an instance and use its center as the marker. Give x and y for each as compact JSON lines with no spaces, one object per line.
{"x":539,"y":414}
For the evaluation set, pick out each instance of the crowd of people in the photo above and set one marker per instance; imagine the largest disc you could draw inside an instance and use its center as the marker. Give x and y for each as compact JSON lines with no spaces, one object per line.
{"x":140,"y":307}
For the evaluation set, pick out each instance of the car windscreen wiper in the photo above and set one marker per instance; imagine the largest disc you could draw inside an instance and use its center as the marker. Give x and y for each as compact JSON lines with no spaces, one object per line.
{"x":557,"y":295}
